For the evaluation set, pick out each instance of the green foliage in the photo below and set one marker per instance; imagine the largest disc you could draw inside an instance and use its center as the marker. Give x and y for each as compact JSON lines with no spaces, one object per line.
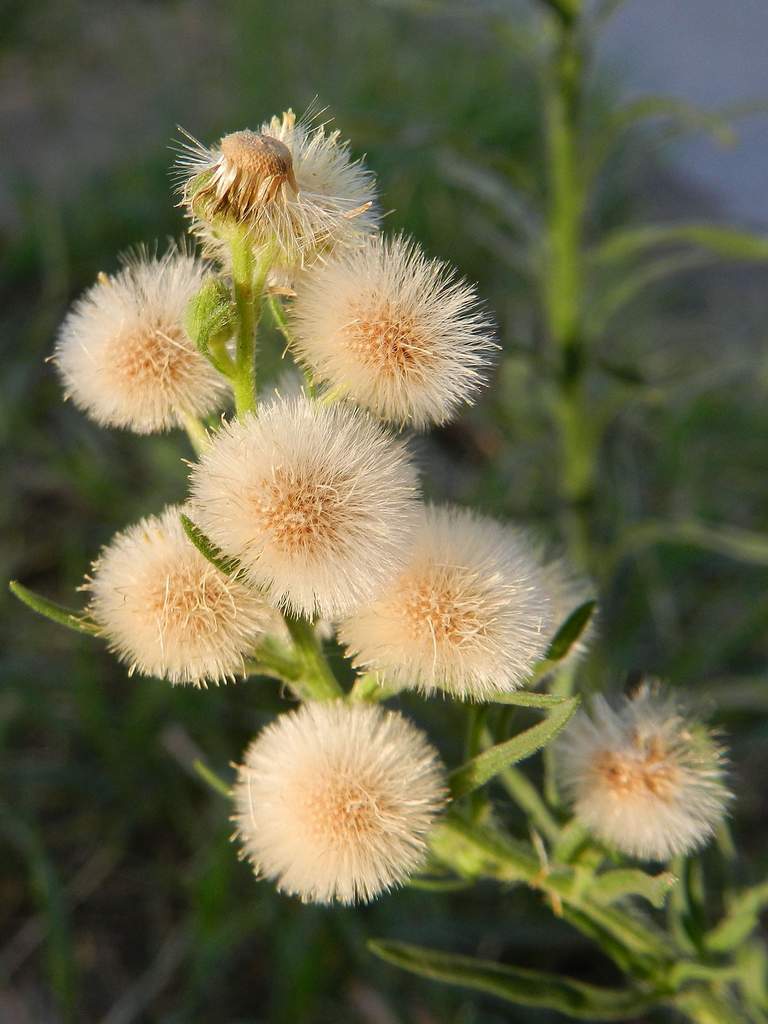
{"x":514,"y":984}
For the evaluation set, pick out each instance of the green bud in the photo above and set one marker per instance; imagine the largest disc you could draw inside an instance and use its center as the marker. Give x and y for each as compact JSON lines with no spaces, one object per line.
{"x":211,"y":316}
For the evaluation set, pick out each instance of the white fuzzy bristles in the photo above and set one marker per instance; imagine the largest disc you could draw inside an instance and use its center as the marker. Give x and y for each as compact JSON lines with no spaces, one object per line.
{"x":642,"y":777}
{"x":168,"y":612}
{"x":292,"y":186}
{"x":468,"y":614}
{"x":401,"y":334}
{"x":124,"y":355}
{"x":335,"y":801}
{"x":317,"y":502}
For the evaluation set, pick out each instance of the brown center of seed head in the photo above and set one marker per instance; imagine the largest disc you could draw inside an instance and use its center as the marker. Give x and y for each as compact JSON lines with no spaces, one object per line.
{"x":340,"y":811}
{"x":263,"y":164}
{"x":439,"y":608}
{"x":648,"y":767}
{"x":188,"y":601}
{"x":158,"y":356}
{"x":387,"y":340}
{"x":300,"y":515}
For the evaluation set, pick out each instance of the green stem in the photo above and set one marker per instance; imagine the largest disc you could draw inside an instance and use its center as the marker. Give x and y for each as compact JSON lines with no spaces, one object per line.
{"x":248,"y":277}
{"x":563,"y":283}
{"x":281,"y":323}
{"x":527,"y":797}
{"x":196,"y":432}
{"x":317,"y":680}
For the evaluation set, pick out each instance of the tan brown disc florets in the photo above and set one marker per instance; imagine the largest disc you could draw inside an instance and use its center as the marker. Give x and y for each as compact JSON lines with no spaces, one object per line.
{"x":649,"y":767}
{"x":389,"y":342}
{"x":250,"y":173}
{"x":300,"y":514}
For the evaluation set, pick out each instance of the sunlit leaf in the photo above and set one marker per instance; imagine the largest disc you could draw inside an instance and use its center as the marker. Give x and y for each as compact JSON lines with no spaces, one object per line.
{"x":614,"y":885}
{"x":740,"y":921}
{"x":57,"y":613}
{"x":482,"y":768}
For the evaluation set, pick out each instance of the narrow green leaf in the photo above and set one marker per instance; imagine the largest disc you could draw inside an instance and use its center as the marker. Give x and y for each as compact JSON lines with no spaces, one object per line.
{"x":614,"y":885}
{"x":740,"y":921}
{"x":515,"y":984}
{"x":480,"y":769}
{"x":55,"y":612}
{"x":206,"y":547}
{"x":726,"y":242}
{"x":526,"y":699}
{"x":477,"y":851}
{"x":570,"y":631}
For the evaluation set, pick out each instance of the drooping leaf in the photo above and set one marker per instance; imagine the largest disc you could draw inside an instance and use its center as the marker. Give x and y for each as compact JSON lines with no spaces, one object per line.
{"x":483,"y":767}
{"x":57,"y":613}
{"x":744,"y":545}
{"x":515,"y":984}
{"x":570,"y":631}
{"x":206,"y":547}
{"x":726,"y":242}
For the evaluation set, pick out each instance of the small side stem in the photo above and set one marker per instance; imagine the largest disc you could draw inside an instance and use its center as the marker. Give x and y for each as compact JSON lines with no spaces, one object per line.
{"x":196,"y":432}
{"x":317,"y":679}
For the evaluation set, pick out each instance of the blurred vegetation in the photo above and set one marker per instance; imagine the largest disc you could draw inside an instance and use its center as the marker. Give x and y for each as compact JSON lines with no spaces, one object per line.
{"x":120,"y":896}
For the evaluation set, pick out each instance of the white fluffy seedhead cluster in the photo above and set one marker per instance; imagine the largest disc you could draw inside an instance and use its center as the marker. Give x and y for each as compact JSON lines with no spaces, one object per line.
{"x":401,"y":334}
{"x":468,"y":614}
{"x":317,"y":502}
{"x":643,"y":776}
{"x":334,"y":801}
{"x":123,"y":352}
{"x":292,"y":185}
{"x":167,"y":612}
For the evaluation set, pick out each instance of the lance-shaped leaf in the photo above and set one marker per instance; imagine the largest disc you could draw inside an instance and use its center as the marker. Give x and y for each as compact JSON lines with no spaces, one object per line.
{"x":57,"y":613}
{"x":206,"y":547}
{"x":480,"y":769}
{"x":740,"y":921}
{"x":570,"y":631}
{"x":515,"y":984}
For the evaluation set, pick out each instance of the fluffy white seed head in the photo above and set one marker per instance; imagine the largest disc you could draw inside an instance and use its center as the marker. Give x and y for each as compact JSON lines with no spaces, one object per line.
{"x":292,"y":185}
{"x":317,"y":502}
{"x":468,"y":614}
{"x":123,"y":352}
{"x":334,"y":801}
{"x":167,"y":612}
{"x":403,"y":335}
{"x":642,"y":776}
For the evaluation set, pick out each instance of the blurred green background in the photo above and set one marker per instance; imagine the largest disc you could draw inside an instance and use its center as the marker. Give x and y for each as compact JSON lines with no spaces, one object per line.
{"x":121,"y":898}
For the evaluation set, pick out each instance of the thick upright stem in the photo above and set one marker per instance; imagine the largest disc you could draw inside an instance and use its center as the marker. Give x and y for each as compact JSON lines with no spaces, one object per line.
{"x":563,"y":286}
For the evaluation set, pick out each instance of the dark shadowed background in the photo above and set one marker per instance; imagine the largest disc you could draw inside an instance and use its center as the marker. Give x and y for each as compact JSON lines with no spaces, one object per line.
{"x":121,"y":898}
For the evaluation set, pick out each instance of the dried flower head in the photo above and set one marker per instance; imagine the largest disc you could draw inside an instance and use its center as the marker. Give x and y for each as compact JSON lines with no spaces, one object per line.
{"x":334,"y":801}
{"x":293,"y":186}
{"x":643,"y":777}
{"x":468,"y":614}
{"x":317,"y":502}
{"x":167,"y":612}
{"x":401,"y":334}
{"x":124,"y":354}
